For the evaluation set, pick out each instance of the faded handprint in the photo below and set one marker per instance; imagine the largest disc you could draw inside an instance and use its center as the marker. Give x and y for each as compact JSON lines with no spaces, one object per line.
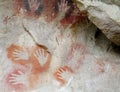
{"x":21,"y":55}
{"x":20,"y":78}
{"x":77,"y":50}
{"x":41,"y":56}
{"x":60,"y":40}
{"x":63,"y":38}
{"x":64,"y":74}
{"x":63,"y":8}
{"x":34,"y":4}
{"x":103,"y":66}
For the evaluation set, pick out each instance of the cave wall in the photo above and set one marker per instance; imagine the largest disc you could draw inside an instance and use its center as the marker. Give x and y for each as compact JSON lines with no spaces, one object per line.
{"x":57,"y":46}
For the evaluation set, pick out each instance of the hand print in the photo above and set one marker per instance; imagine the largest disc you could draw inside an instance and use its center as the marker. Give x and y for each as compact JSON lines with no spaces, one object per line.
{"x":64,"y":74}
{"x":63,"y":8}
{"x":77,"y":51}
{"x":21,"y":55}
{"x":41,"y":56}
{"x":63,"y":38}
{"x":33,"y":4}
{"x":20,"y":78}
{"x":103,"y":66}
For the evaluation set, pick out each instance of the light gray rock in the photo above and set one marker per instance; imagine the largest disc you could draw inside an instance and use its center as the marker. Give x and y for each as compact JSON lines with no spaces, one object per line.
{"x":105,"y":16}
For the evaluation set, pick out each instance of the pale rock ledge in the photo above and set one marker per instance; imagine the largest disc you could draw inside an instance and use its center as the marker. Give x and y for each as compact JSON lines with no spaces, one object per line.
{"x":105,"y":14}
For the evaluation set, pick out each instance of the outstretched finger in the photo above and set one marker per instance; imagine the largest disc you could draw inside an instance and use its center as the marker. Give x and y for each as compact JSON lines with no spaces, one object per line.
{"x":17,"y":58}
{"x":66,"y":3}
{"x":11,"y":81}
{"x":20,"y":72}
{"x":42,"y":52}
{"x":37,"y":53}
{"x":60,"y":77}
{"x":60,"y":6}
{"x":62,"y":70}
{"x":16,"y":83}
{"x":14,"y":75}
{"x":12,"y":78}
{"x":17,"y":51}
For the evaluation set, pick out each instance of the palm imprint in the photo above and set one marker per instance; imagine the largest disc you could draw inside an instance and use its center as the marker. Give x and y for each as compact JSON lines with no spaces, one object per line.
{"x":63,"y":8}
{"x":41,"y":56}
{"x":64,"y":74}
{"x":21,"y":55}
{"x":20,"y":78}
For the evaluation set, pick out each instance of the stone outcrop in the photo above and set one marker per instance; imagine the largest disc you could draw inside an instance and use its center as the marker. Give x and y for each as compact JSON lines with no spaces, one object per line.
{"x":105,"y":15}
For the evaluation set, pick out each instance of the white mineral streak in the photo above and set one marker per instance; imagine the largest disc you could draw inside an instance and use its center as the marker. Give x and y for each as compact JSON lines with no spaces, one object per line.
{"x":104,"y":16}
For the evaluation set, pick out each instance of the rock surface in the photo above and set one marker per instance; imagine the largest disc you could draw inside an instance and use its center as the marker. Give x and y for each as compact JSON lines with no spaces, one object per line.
{"x":52,"y":46}
{"x":105,"y":15}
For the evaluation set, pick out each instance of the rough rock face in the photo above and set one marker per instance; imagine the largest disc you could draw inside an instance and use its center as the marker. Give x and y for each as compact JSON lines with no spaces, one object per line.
{"x":105,"y":15}
{"x":54,"y":46}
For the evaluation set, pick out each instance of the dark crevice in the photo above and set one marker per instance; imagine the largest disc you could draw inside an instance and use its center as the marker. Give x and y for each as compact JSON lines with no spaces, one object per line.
{"x":116,"y":48}
{"x":103,"y":42}
{"x":97,"y":34}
